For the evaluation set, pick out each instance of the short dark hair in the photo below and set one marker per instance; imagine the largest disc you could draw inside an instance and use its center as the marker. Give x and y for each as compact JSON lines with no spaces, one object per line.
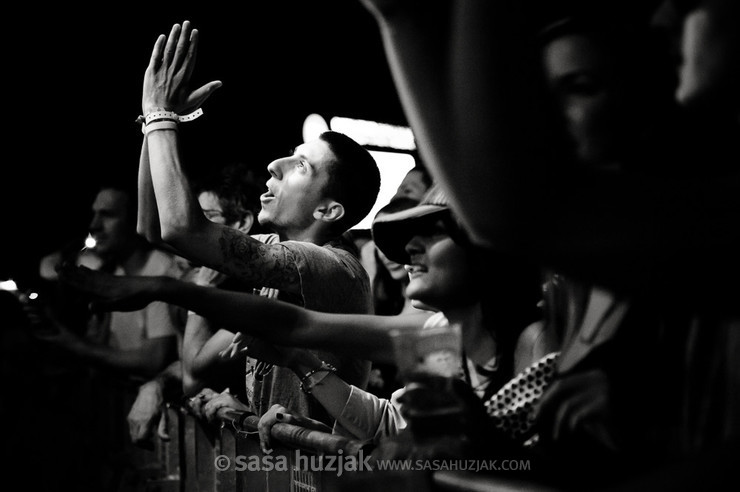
{"x":237,"y":190}
{"x":354,"y":180}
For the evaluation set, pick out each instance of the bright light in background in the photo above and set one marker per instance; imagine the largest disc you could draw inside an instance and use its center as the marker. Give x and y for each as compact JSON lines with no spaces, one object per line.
{"x":8,"y":285}
{"x":90,"y":242}
{"x":393,"y":167}
{"x":375,"y":134}
{"x":313,"y":126}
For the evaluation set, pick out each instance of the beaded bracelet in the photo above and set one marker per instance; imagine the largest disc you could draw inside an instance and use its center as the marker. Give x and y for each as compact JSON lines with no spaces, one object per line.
{"x":324,"y":367}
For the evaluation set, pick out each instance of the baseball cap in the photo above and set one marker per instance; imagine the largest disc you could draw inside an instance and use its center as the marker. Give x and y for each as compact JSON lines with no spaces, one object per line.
{"x":393,"y":231}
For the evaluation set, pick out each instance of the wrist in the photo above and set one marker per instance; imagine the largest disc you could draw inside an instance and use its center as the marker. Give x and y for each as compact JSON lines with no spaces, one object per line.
{"x":155,"y":386}
{"x":314,"y":376}
{"x":158,"y":118}
{"x":302,"y":361}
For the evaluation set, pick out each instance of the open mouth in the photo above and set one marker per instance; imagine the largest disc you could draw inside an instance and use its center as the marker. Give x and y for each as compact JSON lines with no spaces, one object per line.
{"x":415,"y":270}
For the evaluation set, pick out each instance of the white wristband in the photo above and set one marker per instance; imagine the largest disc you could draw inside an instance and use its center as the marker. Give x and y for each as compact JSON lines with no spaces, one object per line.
{"x":167,"y":116}
{"x":160,"y":125}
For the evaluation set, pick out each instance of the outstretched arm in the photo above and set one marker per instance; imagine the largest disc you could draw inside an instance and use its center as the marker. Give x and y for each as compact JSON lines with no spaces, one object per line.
{"x":147,"y":360}
{"x":356,"y":412}
{"x":363,"y":335}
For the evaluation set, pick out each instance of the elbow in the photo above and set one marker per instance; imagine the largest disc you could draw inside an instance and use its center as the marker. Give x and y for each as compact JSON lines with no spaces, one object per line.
{"x":174,"y":234}
{"x":148,"y":234}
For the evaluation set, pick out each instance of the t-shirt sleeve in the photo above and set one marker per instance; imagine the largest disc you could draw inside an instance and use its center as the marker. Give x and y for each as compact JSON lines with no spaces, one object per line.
{"x":366,"y":416}
{"x":331,"y":279}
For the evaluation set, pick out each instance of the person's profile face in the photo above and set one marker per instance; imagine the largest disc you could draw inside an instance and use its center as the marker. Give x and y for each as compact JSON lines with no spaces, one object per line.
{"x":440,"y":271}
{"x":296,"y":187}
{"x":111,"y":225}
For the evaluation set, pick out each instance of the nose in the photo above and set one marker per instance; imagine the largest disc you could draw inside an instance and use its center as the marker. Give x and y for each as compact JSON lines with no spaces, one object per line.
{"x":95,"y":223}
{"x":275,"y":168}
{"x":414,"y":246}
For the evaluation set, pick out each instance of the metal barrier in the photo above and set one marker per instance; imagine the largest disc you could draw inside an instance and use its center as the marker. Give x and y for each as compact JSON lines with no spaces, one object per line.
{"x":226,"y":457}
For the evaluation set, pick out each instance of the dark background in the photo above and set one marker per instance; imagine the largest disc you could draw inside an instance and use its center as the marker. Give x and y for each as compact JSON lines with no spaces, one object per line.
{"x":73,"y":79}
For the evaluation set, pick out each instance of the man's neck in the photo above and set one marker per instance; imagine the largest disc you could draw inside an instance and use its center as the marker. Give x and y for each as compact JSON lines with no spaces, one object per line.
{"x":314,"y":235}
{"x":131,"y":263}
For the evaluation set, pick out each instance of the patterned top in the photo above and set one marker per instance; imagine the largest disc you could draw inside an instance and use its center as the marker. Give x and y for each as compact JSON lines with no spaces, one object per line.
{"x":512,"y":406}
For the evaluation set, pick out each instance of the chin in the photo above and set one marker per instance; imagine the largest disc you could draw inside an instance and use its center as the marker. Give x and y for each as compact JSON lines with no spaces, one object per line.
{"x":263,"y":218}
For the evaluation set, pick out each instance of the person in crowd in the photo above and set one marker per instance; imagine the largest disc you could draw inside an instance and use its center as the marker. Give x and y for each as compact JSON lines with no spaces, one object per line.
{"x":122,"y":350}
{"x":389,"y":283}
{"x":606,"y":203}
{"x":416,"y":183}
{"x":313,"y":197}
{"x":497,"y":340}
{"x":229,"y":196}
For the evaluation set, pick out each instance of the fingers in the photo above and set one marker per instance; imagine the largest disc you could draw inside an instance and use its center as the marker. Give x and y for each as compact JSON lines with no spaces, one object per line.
{"x":189,"y":62}
{"x":157,"y":52}
{"x":264,"y":427}
{"x":199,"y":96}
{"x":210,"y":408}
{"x":230,"y":352}
{"x":182,"y":51}
{"x":139,"y":429}
{"x":214,"y":405}
{"x":169,"y":49}
{"x":163,"y":427}
{"x":197,"y":402}
{"x":236,"y":346}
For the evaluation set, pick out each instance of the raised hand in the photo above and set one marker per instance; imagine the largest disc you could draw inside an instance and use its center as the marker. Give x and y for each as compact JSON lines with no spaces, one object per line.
{"x":167,"y":78}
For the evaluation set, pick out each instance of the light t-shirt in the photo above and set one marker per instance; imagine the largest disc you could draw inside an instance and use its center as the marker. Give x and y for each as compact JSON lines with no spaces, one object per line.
{"x":128,"y":330}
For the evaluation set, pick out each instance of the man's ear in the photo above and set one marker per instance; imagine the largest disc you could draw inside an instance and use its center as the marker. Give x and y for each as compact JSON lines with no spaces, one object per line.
{"x":245,"y":225}
{"x":329,"y":212}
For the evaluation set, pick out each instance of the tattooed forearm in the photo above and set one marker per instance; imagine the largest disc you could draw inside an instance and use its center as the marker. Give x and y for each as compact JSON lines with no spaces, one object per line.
{"x":259,"y":264}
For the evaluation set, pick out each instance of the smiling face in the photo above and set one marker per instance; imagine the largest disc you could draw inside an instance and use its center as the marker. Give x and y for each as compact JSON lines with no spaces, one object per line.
{"x":295,"y":188}
{"x":440,"y":272}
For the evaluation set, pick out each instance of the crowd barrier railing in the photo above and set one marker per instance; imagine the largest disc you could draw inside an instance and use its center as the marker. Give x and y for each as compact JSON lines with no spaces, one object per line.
{"x":225,"y":456}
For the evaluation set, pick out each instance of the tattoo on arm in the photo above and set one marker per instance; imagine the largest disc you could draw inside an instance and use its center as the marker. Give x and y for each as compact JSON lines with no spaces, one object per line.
{"x":259,"y":264}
